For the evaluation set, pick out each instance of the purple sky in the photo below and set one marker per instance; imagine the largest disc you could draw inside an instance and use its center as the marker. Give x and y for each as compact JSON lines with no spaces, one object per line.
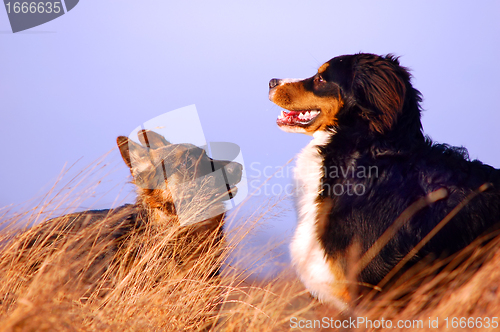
{"x":69,"y":87}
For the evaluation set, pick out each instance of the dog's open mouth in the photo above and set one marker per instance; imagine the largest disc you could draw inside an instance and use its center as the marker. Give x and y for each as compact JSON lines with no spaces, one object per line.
{"x":297,"y":118}
{"x":232,"y":191}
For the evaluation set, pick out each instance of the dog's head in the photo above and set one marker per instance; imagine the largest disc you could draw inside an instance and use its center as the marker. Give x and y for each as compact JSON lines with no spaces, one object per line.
{"x":179,"y":174}
{"x":365,"y":90}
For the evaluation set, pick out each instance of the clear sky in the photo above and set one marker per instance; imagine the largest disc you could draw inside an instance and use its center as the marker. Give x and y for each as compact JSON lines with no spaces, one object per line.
{"x":69,"y":87}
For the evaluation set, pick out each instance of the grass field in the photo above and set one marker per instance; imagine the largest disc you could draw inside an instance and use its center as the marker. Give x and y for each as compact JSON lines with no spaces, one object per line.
{"x":73,"y":279}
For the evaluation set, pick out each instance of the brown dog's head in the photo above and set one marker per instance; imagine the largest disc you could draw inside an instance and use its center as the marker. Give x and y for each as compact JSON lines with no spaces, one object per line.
{"x":362,"y":90}
{"x":178,"y":178}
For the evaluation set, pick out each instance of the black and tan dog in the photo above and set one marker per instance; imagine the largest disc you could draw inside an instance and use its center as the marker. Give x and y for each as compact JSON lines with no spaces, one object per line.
{"x":367,"y":163}
{"x":179,"y":213}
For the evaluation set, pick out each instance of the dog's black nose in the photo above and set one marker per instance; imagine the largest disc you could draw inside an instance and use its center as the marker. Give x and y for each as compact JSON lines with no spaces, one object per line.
{"x":234,"y":170}
{"x":274,"y":82}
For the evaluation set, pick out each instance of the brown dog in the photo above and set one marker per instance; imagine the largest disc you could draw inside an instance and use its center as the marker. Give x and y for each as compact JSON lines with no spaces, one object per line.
{"x":178,"y":217}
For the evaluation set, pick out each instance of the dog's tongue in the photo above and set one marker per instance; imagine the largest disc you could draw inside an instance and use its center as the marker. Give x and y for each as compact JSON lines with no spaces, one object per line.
{"x":289,"y":117}
{"x":292,"y":113}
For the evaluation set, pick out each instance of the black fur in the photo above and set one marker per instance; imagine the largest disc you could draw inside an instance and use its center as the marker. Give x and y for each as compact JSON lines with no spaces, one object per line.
{"x":379,"y":125}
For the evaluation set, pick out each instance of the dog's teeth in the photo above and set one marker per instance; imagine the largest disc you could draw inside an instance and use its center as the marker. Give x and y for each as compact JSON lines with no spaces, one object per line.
{"x":308,"y":113}
{"x":301,"y":116}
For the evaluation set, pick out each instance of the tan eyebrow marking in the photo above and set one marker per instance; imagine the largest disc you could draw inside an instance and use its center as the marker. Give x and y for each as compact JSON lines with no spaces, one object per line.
{"x":323,"y":67}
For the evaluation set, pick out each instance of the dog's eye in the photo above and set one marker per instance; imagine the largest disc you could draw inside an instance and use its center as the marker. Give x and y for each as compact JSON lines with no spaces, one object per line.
{"x":319,"y":79}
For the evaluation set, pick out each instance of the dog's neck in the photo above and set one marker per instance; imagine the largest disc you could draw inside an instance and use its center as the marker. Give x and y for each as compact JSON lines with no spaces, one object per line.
{"x":165,"y":216}
{"x":356,"y":137}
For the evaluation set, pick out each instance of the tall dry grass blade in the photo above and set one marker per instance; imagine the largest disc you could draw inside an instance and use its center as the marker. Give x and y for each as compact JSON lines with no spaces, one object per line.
{"x":396,"y":225}
{"x":432,"y":233}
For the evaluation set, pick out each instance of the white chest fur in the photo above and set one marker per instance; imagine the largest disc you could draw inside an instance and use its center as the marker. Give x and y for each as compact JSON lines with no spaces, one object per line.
{"x":308,"y":257}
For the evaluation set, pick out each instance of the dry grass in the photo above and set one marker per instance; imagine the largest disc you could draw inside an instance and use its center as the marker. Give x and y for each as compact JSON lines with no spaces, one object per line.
{"x":63,"y":276}
{"x":70,"y":278}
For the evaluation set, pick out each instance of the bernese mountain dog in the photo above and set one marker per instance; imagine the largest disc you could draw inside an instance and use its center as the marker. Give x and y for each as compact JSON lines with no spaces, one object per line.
{"x":367,"y":165}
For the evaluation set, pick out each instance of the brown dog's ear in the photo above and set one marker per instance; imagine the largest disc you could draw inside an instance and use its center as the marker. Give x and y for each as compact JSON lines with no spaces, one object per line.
{"x":135,"y":156}
{"x":379,"y":90}
{"x":151,"y":140}
{"x":122,"y":142}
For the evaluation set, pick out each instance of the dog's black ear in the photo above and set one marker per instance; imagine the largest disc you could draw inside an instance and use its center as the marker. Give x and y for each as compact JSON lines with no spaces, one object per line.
{"x":152,"y":140}
{"x":379,"y":88}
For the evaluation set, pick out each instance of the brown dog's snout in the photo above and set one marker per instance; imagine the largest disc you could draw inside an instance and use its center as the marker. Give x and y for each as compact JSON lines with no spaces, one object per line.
{"x":231,"y":169}
{"x":274,"y":82}
{"x":234,"y":171}
{"x":230,"y":177}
